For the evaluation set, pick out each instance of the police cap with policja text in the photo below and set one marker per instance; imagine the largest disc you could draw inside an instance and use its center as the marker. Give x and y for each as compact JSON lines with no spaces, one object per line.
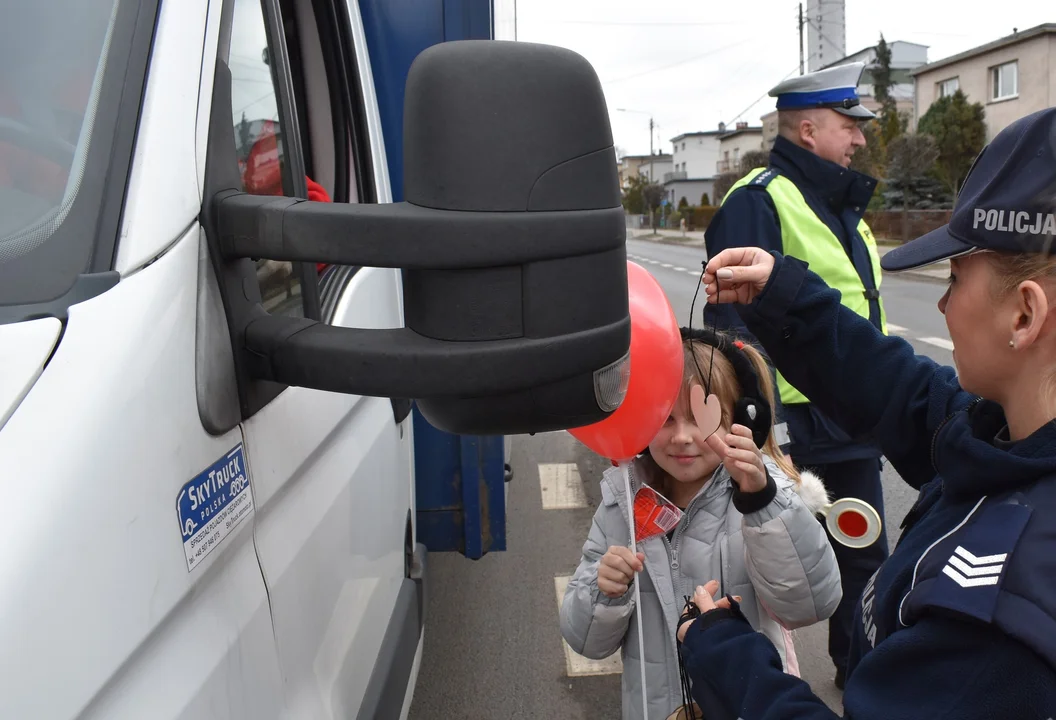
{"x":1007,"y":203}
{"x":834,"y":88}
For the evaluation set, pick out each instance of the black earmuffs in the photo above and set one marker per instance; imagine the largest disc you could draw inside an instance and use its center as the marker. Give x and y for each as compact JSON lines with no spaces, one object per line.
{"x":752,"y":410}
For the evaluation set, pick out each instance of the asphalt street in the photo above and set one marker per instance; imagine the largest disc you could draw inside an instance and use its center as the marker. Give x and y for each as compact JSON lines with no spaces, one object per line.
{"x":493,"y":648}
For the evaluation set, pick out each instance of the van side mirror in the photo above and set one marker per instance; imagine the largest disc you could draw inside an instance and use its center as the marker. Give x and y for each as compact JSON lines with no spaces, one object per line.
{"x":512,"y":245}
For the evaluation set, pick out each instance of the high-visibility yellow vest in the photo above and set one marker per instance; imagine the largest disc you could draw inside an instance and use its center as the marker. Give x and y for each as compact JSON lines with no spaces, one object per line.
{"x":805,"y":236}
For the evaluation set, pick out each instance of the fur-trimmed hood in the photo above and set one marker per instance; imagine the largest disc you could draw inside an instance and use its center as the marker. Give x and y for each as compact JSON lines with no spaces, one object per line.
{"x":812,"y":491}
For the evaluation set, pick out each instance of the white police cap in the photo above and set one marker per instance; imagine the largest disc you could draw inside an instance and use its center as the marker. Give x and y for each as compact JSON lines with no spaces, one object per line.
{"x":834,"y":88}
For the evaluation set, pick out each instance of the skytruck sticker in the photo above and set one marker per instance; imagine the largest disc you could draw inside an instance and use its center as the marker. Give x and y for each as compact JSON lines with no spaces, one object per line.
{"x":212,"y":505}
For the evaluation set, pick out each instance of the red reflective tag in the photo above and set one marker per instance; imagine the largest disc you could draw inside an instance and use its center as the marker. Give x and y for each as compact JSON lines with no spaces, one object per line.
{"x":653,"y":514}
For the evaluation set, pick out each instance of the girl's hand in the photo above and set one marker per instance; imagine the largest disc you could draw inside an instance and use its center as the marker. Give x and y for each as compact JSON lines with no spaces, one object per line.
{"x":704,"y":599}
{"x":737,"y":275}
{"x":742,"y":458}
{"x":617,"y":569}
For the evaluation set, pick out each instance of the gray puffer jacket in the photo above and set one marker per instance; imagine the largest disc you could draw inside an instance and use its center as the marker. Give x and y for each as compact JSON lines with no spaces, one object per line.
{"x":778,"y":559}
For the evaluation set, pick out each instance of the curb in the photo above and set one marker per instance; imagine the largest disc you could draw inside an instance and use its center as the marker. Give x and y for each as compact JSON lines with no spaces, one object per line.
{"x":688,"y":242}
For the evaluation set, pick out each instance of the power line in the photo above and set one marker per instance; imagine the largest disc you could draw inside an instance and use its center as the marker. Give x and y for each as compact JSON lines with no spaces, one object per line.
{"x":676,"y":64}
{"x":742,"y":113}
{"x":824,"y":37}
{"x":270,"y":93}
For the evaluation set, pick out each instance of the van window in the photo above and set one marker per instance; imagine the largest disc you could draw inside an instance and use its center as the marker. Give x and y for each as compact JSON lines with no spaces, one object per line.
{"x":259,"y":141}
{"x":60,"y":64}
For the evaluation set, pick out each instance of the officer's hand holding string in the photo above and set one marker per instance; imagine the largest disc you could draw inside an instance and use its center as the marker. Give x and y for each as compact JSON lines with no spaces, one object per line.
{"x":737,"y":275}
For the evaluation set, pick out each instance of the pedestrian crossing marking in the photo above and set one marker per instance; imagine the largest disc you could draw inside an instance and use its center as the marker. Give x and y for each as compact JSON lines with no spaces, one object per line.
{"x":561,"y":486}
{"x":893,"y":329}
{"x":575,"y":664}
{"x":938,"y":342}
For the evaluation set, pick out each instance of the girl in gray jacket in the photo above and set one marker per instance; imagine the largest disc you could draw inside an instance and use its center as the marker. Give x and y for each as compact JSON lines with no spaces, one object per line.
{"x":748,"y":519}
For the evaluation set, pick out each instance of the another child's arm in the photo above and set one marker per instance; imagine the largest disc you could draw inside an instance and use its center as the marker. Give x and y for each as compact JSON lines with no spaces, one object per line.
{"x":598,"y":602}
{"x":787,"y":553}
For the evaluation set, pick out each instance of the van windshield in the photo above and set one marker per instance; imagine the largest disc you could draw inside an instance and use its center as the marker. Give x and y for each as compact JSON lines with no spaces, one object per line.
{"x":54,"y":56}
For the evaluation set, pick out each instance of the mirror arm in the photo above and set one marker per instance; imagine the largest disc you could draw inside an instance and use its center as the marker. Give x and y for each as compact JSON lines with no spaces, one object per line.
{"x":399,"y":362}
{"x":402,"y":235}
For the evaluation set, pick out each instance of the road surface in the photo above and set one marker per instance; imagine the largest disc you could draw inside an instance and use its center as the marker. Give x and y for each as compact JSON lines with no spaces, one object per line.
{"x":493,"y":648}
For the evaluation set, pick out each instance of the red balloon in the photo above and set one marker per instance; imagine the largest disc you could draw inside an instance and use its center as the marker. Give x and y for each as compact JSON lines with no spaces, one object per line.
{"x":655,"y":374}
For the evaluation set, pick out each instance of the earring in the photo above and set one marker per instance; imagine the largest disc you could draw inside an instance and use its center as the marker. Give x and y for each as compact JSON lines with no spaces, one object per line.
{"x":1011,"y":343}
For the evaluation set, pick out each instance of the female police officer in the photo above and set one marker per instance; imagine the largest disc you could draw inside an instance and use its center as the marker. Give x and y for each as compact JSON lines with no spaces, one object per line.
{"x":960,"y":621}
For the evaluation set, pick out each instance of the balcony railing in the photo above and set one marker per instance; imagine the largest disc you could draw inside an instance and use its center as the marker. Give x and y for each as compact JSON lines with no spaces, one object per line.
{"x":676,"y":175}
{"x":724,"y":166}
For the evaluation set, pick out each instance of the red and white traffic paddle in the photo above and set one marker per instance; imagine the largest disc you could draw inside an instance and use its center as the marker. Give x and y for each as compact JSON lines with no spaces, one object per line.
{"x":852,"y":522}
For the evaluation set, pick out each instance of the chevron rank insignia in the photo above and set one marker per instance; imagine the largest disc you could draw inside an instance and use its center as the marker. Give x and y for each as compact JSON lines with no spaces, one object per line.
{"x":964,"y":571}
{"x":967,"y":570}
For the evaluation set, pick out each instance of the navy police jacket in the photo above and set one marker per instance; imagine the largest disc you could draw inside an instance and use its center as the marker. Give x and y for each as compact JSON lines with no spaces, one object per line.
{"x":960,"y":621}
{"x":838,"y":197}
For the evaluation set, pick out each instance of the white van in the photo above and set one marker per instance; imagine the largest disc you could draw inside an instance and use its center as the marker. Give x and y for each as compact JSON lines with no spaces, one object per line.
{"x":206,"y":453}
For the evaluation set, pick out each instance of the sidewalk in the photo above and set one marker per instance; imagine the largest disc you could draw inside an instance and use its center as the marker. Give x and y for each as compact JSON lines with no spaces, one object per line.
{"x":938,"y":272}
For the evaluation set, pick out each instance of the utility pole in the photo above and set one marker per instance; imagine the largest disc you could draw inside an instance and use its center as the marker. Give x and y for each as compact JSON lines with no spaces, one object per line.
{"x":650,"y":135}
{"x":801,"y":38}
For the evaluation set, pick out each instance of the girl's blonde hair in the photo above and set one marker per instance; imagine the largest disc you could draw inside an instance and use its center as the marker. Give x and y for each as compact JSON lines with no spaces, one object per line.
{"x":727,"y":389}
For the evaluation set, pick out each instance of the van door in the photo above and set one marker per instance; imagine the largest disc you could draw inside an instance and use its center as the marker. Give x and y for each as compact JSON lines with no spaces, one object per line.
{"x":122,"y":595}
{"x":331,"y":472}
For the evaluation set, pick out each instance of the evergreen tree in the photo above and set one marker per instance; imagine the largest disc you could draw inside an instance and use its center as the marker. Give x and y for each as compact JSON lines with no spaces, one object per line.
{"x":959,"y":130}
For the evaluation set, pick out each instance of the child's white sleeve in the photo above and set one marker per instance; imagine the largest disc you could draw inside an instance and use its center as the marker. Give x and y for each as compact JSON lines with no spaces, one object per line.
{"x":593,"y":624}
{"x":789,"y":559}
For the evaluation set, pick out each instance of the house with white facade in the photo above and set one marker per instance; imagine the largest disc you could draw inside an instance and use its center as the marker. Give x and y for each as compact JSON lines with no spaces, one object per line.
{"x":734,"y":145}
{"x":694,"y":156}
{"x":655,"y":167}
{"x":650,"y":166}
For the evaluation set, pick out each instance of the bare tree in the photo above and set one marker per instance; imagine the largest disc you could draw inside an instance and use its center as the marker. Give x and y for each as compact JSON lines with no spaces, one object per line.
{"x":723,"y":183}
{"x":754,"y":159}
{"x":652,"y":195}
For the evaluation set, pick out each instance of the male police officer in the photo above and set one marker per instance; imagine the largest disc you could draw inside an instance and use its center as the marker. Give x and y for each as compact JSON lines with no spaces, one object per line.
{"x":809,"y":204}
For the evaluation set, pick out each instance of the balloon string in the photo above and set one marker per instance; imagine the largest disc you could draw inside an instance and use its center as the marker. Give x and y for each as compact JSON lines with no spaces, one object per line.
{"x":703,"y":315}
{"x":625,"y":468}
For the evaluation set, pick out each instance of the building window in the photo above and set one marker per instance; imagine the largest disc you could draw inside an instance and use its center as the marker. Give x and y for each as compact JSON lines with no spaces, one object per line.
{"x":683,"y":146}
{"x":1004,"y":81}
{"x":949,"y":87}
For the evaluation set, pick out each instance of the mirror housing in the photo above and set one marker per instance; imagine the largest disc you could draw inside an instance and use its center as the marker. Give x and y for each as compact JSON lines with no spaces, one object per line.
{"x":512,"y":245}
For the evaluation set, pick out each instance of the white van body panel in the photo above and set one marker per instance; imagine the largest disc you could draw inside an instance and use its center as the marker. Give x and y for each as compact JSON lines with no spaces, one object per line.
{"x":24,"y":348}
{"x":105,"y":601}
{"x":164,"y":194}
{"x":370,"y":105}
{"x":284,"y":616}
{"x":332,"y":514}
